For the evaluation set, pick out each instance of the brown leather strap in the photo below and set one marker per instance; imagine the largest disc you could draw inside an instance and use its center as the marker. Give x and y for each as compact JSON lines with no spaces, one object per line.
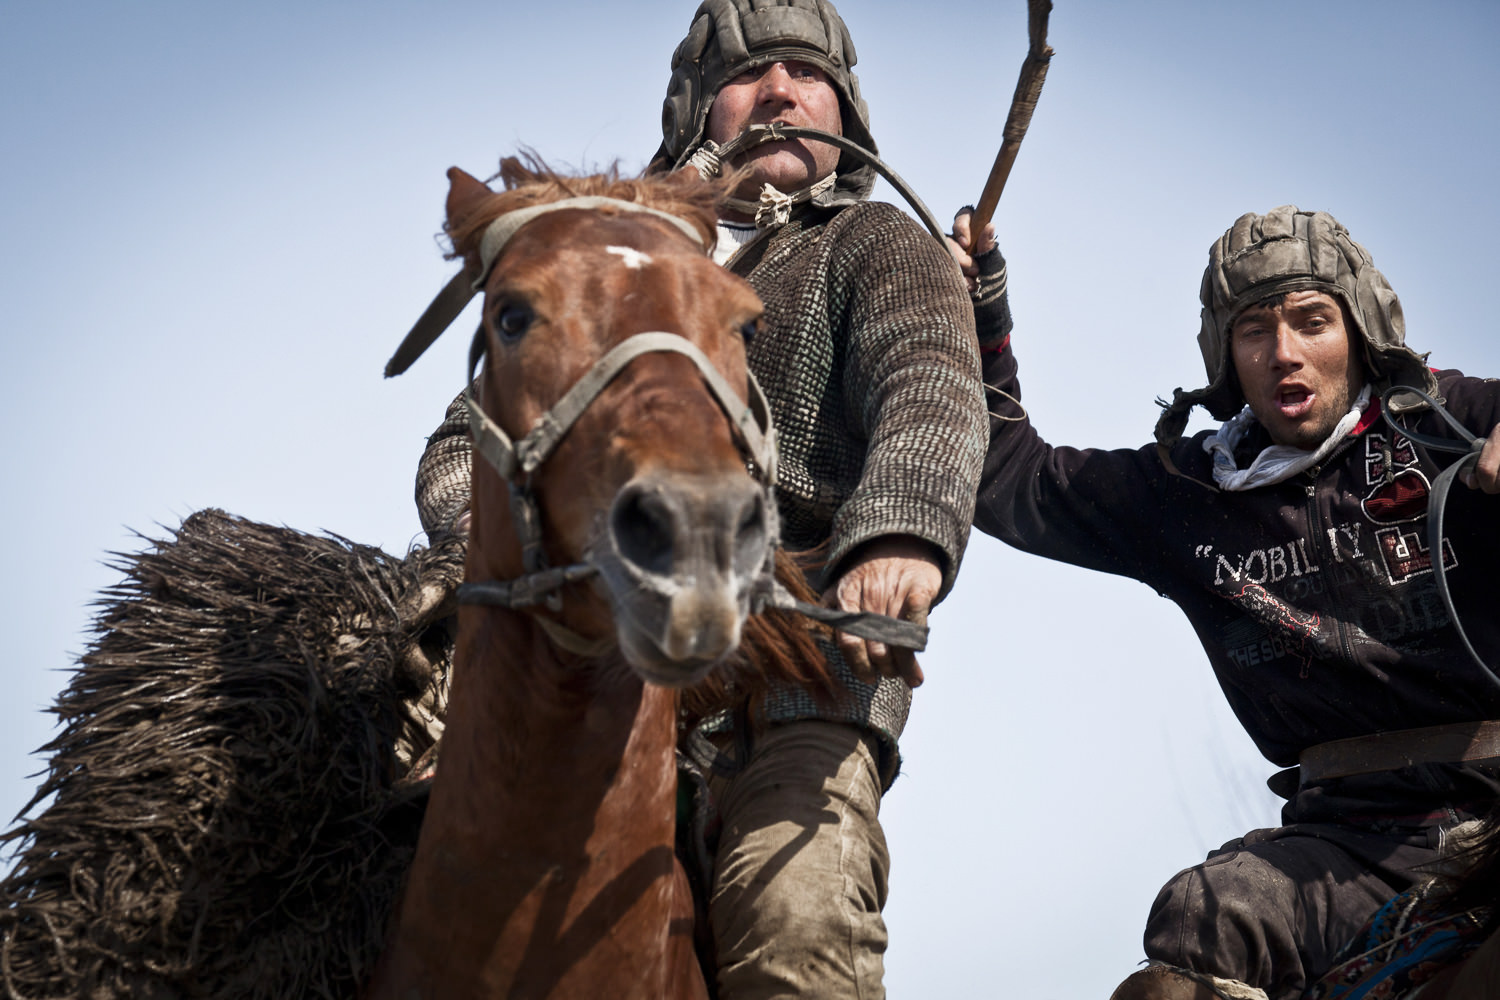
{"x":1450,"y":744}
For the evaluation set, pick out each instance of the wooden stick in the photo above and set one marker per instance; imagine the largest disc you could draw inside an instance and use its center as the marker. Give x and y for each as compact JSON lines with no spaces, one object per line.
{"x":1028,"y":89}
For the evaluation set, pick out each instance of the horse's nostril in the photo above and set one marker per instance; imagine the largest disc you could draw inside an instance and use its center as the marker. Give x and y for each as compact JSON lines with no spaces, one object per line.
{"x":642,"y":523}
{"x":750,"y":535}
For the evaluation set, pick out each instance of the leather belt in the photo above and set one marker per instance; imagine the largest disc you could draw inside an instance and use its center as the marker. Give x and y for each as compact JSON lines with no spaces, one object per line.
{"x":1454,"y":743}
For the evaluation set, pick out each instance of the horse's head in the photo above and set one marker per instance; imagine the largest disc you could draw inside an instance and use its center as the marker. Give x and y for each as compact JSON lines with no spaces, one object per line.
{"x":651,"y":483}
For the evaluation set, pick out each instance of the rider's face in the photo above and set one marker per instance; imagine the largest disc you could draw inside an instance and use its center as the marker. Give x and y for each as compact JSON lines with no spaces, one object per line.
{"x":794,"y":93}
{"x":1296,"y":366}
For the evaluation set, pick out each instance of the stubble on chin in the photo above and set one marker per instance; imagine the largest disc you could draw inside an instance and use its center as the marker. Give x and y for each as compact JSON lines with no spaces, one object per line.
{"x":1309,"y":435}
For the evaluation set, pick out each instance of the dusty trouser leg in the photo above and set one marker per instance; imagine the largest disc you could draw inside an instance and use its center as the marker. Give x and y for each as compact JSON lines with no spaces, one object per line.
{"x":800,"y":873}
{"x":1269,"y":910}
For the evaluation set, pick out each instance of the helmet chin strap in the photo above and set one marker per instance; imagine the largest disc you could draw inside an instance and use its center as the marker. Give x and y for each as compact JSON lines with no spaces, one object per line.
{"x":710,"y":158}
{"x":774,"y":207}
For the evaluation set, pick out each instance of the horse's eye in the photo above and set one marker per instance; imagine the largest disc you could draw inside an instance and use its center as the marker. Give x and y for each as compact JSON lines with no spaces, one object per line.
{"x":750,"y":329}
{"x":513,"y":319}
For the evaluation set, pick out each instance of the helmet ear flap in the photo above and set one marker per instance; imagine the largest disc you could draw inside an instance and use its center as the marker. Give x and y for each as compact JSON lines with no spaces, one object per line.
{"x":685,"y":89}
{"x":1211,"y":290}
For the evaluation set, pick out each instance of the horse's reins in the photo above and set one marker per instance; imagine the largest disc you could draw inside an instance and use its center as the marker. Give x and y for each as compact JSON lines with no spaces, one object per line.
{"x":1438,"y":499}
{"x":515,"y":461}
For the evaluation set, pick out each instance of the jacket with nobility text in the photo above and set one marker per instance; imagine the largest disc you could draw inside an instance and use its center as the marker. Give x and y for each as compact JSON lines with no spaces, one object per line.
{"x":1314,"y":597}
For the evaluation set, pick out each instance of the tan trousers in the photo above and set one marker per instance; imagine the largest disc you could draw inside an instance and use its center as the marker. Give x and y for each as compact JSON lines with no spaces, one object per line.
{"x":800,"y":874}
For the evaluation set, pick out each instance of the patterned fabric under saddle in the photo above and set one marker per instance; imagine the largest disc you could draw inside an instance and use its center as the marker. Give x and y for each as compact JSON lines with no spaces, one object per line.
{"x":1409,"y":940}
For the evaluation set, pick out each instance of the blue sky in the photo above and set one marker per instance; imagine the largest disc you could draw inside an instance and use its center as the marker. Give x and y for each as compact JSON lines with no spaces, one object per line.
{"x":217,"y":221}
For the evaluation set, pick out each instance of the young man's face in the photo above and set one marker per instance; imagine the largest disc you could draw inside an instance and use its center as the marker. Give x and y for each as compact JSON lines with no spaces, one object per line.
{"x":794,"y":93}
{"x":1296,"y":366}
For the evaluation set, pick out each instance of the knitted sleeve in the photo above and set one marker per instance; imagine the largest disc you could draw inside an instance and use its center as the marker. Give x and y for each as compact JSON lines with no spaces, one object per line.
{"x":911,"y":386}
{"x":444,"y":471}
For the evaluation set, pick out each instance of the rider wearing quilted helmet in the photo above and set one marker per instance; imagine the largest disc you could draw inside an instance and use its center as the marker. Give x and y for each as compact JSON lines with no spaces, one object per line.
{"x":1308,"y":570}
{"x":799,"y":912}
{"x":731,"y":38}
{"x":1264,"y":257}
{"x":796,"y":894}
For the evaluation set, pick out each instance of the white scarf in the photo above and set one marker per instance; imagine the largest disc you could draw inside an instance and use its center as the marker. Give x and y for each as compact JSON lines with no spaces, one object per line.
{"x":1277,"y":462}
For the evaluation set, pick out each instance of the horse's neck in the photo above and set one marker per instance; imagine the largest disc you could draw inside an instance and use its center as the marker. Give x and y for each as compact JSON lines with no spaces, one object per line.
{"x":545,"y":864}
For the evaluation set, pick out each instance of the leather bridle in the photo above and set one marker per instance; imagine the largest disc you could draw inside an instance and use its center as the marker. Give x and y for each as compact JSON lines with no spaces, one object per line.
{"x":515,"y":460}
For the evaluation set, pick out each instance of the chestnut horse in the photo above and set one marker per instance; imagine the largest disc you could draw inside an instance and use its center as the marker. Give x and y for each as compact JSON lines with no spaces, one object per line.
{"x":545,"y":866}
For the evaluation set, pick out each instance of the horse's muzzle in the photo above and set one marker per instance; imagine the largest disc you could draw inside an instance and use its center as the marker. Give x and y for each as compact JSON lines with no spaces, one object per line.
{"x":680,"y":556}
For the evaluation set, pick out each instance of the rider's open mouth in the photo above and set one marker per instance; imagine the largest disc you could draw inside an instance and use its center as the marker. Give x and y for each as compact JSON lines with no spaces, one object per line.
{"x":1295,"y":401}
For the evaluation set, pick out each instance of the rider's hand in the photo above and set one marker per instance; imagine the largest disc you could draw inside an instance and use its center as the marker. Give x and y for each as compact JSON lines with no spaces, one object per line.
{"x":961,"y":246}
{"x":899,"y":576}
{"x":1486,"y":475}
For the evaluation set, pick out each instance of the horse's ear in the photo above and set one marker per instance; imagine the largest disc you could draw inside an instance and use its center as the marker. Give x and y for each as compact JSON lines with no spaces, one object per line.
{"x":465,"y":193}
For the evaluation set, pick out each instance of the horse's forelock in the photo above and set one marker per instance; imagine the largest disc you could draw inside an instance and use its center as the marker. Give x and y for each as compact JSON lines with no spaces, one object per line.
{"x":528,"y":181}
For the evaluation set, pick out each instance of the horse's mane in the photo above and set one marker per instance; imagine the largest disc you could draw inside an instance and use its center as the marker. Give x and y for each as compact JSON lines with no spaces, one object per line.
{"x":776,"y":647}
{"x":528,"y":181}
{"x":1477,"y":881}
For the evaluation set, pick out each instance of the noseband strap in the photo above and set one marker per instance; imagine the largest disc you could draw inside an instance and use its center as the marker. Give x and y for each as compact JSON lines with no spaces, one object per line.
{"x":751,"y":421}
{"x":514,"y":461}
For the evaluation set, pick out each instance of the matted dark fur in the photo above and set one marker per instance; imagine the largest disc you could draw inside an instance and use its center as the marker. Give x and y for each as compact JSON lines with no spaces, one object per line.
{"x":224,"y":823}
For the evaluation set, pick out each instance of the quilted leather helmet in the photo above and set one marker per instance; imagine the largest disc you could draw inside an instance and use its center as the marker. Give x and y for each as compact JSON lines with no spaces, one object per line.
{"x":1289,"y":250}
{"x":728,"y":37}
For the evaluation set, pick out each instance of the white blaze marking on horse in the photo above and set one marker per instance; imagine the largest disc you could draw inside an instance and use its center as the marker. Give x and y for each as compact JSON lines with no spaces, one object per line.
{"x":634,"y":259}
